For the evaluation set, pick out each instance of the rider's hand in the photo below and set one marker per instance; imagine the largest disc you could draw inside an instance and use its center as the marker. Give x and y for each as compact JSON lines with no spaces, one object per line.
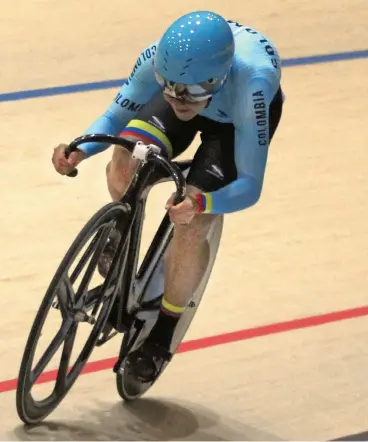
{"x":184,"y":212}
{"x":63,"y":165}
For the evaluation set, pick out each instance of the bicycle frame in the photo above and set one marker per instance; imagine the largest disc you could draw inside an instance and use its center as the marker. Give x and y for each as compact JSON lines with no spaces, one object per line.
{"x":127,"y":254}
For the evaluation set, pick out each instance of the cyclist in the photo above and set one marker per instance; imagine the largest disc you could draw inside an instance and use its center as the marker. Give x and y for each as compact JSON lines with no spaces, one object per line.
{"x":205,"y":75}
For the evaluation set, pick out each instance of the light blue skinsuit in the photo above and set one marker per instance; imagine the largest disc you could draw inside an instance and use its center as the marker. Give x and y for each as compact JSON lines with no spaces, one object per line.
{"x":244,"y":101}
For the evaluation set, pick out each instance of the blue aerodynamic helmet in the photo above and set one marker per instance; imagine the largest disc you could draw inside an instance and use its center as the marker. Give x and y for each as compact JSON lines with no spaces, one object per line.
{"x":197,"y":48}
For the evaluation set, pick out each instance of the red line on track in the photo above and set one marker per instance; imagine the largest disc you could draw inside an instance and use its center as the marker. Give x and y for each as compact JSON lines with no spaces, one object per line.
{"x":211,"y":341}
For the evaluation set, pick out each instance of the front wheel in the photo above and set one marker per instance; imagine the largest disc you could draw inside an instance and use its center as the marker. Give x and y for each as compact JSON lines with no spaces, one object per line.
{"x":130,"y":388}
{"x":69,"y":301}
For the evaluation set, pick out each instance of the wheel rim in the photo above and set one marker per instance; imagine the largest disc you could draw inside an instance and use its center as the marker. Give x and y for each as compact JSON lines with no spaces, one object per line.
{"x":70,"y":301}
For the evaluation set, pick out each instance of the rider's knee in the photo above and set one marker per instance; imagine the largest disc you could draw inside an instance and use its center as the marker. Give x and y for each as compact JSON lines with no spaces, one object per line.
{"x":119,"y":172}
{"x":121,"y":168}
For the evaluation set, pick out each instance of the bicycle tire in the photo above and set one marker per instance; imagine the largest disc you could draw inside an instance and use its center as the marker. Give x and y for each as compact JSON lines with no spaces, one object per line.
{"x":29,"y":410}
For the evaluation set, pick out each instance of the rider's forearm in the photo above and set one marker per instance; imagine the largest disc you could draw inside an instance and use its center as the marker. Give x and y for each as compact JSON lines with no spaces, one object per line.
{"x":238,"y":195}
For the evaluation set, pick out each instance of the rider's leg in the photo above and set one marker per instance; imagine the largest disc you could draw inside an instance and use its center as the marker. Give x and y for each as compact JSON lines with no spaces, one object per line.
{"x":186,"y":261}
{"x":187,"y":258}
{"x":119,"y":173}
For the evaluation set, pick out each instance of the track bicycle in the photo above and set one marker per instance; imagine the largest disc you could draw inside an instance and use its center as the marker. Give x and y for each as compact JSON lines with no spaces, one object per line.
{"x":130,"y":295}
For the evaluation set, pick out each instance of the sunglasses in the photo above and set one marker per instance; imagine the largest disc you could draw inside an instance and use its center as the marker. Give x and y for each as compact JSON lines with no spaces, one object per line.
{"x":190,"y":92}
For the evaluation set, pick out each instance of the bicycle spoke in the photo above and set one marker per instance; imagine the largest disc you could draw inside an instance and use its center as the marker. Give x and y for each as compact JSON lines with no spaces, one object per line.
{"x":108,"y":287}
{"x":86,"y":255}
{"x":65,"y":296}
{"x":93,"y":262}
{"x":65,"y":359}
{"x":50,"y":351}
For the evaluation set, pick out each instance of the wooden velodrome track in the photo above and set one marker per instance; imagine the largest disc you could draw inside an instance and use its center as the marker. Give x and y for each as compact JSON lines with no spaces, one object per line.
{"x":302,"y":252}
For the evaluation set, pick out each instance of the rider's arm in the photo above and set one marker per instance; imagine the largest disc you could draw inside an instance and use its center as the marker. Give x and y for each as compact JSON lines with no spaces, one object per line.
{"x":133,"y":95}
{"x":251,"y":121}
